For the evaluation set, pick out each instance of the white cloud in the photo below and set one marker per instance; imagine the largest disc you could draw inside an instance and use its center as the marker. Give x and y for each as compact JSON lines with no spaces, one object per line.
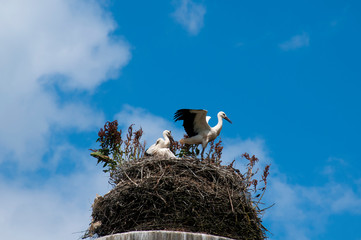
{"x":296,"y":42}
{"x":58,"y":208}
{"x":303,"y":212}
{"x":47,"y":42}
{"x":287,"y":218}
{"x":54,"y":207}
{"x":64,"y":37}
{"x":190,"y":15}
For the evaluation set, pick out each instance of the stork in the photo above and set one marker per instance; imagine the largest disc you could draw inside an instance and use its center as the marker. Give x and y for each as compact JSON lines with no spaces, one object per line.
{"x":195,"y":123}
{"x":161,"y":147}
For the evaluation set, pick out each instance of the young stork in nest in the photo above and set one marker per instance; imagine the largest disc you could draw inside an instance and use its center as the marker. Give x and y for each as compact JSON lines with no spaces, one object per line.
{"x":195,"y":123}
{"x":161,"y":147}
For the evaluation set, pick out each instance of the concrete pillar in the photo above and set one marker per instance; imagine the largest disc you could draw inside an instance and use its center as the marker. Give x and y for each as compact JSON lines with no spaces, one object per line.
{"x":161,"y":235}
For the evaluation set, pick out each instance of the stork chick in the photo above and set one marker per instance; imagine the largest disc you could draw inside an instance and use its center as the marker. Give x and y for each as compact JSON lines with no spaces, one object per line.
{"x":195,"y":123}
{"x":161,"y":148}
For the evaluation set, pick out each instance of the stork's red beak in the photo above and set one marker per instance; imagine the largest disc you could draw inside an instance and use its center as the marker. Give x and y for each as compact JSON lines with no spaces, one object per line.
{"x":228,"y":119}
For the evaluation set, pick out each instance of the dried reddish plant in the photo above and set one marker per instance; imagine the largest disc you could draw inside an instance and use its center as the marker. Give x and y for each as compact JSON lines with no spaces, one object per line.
{"x":214,"y":152}
{"x":114,"y":150}
{"x":252,"y":162}
{"x":218,"y":148}
{"x":175,"y":146}
{"x":110,"y":138}
{"x":251,"y":181}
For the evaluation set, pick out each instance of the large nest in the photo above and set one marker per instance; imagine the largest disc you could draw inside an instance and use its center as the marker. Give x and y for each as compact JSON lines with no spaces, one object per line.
{"x":177,"y":194}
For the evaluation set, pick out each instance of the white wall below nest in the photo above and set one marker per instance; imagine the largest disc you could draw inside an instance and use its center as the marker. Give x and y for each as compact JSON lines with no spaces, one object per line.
{"x":161,"y":235}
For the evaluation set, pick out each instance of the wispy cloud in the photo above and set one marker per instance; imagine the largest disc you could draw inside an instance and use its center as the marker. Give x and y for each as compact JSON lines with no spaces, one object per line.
{"x":58,"y":42}
{"x":298,"y":41}
{"x":190,"y":15}
{"x":303,"y":212}
{"x":58,"y":208}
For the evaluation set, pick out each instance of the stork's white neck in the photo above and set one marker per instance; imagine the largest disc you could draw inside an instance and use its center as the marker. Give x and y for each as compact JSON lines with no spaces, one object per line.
{"x":166,"y":139}
{"x":218,"y":127}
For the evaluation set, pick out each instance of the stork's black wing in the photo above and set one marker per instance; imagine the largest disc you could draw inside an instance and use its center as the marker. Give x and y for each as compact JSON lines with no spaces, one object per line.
{"x":194,"y":120}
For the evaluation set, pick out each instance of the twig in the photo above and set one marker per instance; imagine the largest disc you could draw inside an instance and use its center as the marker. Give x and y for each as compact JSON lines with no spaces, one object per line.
{"x":230,"y":200}
{"x":130,"y":179}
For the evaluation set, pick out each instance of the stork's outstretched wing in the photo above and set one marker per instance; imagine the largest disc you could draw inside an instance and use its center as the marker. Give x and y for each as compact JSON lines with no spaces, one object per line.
{"x":194,"y":120}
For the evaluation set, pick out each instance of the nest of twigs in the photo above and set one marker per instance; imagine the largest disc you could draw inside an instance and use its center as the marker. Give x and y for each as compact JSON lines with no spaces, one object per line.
{"x":178,"y":194}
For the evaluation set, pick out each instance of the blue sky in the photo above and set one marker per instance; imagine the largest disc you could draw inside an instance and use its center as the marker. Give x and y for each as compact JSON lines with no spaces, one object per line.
{"x":286,"y":73}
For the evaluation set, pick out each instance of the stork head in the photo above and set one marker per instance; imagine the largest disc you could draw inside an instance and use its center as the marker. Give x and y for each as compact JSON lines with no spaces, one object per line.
{"x":167,"y":133}
{"x":224,"y":116}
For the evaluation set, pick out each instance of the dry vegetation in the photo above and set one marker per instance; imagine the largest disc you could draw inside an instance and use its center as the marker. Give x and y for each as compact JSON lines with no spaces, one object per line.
{"x":186,"y":194}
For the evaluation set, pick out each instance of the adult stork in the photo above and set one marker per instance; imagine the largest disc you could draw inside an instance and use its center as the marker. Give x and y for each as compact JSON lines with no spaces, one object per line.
{"x":161,"y":147}
{"x":195,"y":123}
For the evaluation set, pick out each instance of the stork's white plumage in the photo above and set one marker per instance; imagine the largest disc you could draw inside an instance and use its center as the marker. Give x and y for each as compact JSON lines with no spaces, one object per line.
{"x":161,"y":147}
{"x":195,"y":123}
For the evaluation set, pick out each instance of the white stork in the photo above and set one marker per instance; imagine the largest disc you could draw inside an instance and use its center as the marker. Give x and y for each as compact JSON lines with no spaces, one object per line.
{"x":161,"y":147}
{"x":195,"y":123}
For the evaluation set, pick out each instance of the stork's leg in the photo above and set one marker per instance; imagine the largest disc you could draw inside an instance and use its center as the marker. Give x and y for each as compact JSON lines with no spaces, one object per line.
{"x":204,"y":145}
{"x":202,"y":153}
